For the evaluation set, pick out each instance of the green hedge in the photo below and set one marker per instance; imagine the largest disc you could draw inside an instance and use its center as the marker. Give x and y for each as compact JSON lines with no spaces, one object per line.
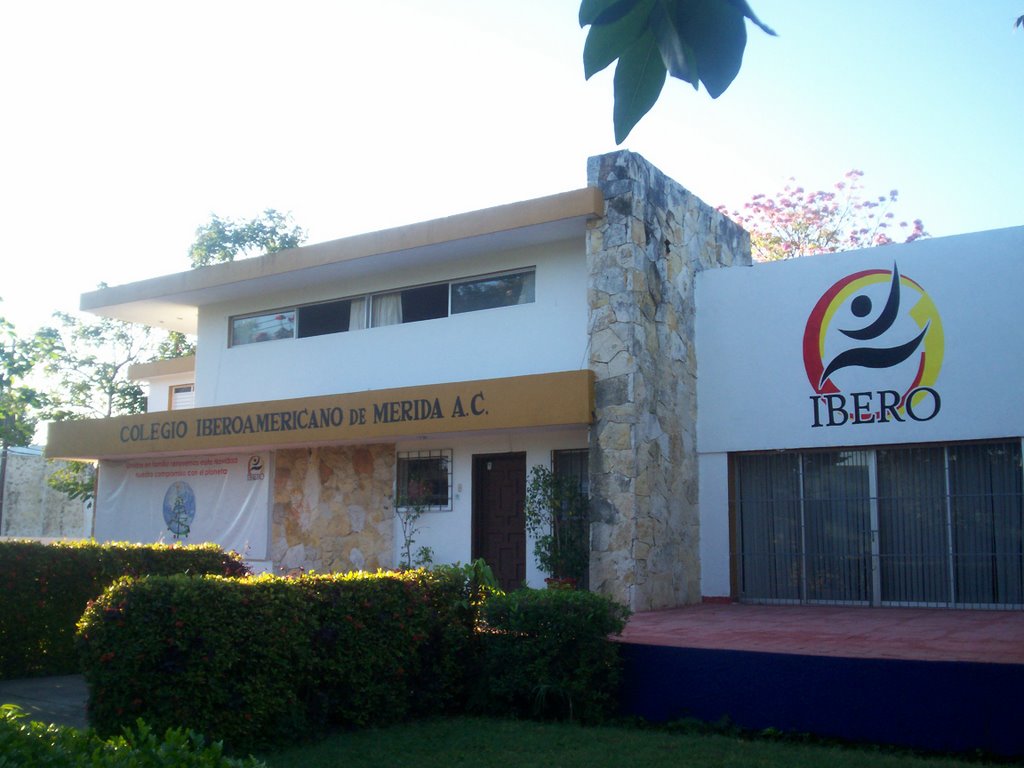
{"x":45,"y":587}
{"x":24,"y":743}
{"x":546,"y":653}
{"x":261,"y":662}
{"x":386,"y":646}
{"x":264,"y":661}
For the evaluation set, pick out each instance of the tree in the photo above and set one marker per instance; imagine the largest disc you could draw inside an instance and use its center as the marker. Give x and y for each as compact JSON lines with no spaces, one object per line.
{"x":794,"y":222}
{"x":698,"y":41}
{"x":222,"y":240}
{"x":93,"y":358}
{"x":91,"y":364}
{"x":175,"y":344}
{"x":19,"y":402}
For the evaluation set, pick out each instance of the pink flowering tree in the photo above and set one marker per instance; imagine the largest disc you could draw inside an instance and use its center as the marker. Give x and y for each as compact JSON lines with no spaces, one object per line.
{"x":797,"y":222}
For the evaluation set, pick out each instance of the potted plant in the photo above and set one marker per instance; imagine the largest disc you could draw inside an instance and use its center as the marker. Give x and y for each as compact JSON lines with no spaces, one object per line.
{"x":557,"y":518}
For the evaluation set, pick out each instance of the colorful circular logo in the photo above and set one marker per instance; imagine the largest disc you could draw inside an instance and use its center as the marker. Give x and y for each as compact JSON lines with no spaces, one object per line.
{"x":873,"y":331}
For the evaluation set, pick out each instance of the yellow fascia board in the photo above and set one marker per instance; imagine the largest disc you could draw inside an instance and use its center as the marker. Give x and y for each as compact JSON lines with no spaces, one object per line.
{"x":519,"y":402}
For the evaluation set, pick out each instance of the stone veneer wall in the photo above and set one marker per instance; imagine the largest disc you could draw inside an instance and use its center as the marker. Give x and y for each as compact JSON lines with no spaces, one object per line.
{"x":333,"y":508}
{"x":32,"y":509}
{"x":642,"y":258}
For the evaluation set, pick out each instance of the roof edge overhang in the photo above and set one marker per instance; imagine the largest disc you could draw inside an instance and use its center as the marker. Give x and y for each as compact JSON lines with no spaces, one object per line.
{"x":172,"y":366}
{"x":175,"y":298}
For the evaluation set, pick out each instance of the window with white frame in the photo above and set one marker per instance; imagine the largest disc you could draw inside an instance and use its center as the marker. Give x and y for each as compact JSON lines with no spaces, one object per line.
{"x":266,"y":326}
{"x":408,"y":305}
{"x":182,"y":396}
{"x":424,"y":479}
{"x":428,"y":302}
{"x":492,"y":292}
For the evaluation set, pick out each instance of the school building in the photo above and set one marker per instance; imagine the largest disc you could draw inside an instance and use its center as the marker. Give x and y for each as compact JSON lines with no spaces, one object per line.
{"x":843,"y":428}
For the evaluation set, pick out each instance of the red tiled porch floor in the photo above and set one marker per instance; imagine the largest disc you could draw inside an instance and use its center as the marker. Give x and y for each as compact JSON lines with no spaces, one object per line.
{"x":926,"y":634}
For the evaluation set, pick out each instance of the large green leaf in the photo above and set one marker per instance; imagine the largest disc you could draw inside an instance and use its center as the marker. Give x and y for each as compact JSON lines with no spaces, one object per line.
{"x":746,"y":10}
{"x":676,"y":52}
{"x":639,"y":78}
{"x":604,"y":11}
{"x":717,"y":34}
{"x":698,"y":41}
{"x":607,"y":41}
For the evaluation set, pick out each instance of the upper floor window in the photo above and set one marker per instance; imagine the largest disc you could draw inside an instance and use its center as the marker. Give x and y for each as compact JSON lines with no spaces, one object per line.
{"x":428,"y":302}
{"x":182,"y":396}
{"x":409,"y":305}
{"x":492,"y":292}
{"x":264,"y":327}
{"x":329,"y":317}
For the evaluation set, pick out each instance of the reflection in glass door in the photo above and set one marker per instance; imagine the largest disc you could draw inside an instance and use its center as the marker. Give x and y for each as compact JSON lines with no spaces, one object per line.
{"x":837,"y":526}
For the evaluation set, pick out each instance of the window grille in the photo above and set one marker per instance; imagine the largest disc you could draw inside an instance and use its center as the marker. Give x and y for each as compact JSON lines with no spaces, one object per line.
{"x":424,"y":479}
{"x":906,"y":525}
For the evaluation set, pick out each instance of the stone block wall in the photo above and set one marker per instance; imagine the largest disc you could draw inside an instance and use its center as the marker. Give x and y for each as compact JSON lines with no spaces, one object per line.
{"x":32,"y":509}
{"x":333,"y":508}
{"x":642,"y":258}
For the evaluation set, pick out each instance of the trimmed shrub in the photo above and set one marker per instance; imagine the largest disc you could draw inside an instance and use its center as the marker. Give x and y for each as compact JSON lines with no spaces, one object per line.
{"x":45,"y":587}
{"x":450,"y":657}
{"x":219,"y":656}
{"x":369,"y":630}
{"x":263,"y":661}
{"x":547,"y":654}
{"x":25,"y":743}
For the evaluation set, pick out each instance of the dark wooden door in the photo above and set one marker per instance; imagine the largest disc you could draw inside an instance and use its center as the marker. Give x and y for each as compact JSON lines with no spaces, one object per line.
{"x":499,"y":523}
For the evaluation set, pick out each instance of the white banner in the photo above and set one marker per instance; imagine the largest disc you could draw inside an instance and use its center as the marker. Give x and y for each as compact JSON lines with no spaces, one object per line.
{"x":223,"y":498}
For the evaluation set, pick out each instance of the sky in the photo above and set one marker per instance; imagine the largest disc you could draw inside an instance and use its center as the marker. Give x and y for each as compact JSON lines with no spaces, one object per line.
{"x":124,"y":125}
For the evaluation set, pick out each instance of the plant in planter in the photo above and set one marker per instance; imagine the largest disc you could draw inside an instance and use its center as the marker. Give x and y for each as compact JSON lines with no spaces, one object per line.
{"x":557,"y":517}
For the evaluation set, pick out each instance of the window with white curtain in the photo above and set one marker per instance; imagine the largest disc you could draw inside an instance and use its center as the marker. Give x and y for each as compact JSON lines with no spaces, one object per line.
{"x":408,"y":305}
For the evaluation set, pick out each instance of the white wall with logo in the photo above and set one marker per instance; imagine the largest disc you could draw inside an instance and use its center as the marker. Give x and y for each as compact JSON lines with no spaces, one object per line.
{"x":755,"y":391}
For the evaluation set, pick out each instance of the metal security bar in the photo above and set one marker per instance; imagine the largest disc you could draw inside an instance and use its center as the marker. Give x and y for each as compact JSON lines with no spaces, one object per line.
{"x":918,"y":525}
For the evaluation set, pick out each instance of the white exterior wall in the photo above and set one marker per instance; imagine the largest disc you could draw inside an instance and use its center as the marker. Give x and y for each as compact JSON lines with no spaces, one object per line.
{"x":449,"y":533}
{"x":546,"y":336}
{"x":714,"y":524}
{"x":754,"y":392}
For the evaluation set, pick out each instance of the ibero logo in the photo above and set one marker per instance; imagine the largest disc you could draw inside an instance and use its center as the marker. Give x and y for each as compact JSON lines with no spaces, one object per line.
{"x":873,"y":349}
{"x":254,"y":468}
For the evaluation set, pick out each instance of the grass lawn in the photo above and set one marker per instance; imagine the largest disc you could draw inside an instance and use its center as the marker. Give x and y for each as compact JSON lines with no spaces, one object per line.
{"x":482,"y":743}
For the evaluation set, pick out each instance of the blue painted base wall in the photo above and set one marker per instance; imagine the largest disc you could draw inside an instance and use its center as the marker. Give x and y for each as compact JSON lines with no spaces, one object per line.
{"x":944,"y":706}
